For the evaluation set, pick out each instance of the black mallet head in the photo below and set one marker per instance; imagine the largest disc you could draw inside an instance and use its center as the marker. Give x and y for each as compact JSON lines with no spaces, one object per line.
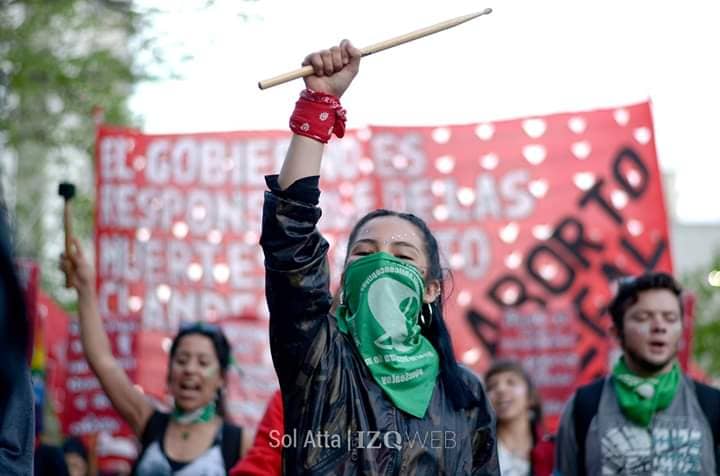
{"x":66,"y":190}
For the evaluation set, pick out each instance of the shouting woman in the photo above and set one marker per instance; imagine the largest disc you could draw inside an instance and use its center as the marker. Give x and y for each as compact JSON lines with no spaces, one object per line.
{"x":194,"y":438}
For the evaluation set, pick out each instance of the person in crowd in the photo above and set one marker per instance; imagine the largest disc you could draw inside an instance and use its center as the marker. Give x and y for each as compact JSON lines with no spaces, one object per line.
{"x":523,"y":447}
{"x":369,"y":380}
{"x":264,"y":458}
{"x":17,"y":432}
{"x":647,"y":416}
{"x":195,"y":437}
{"x":76,"y":456}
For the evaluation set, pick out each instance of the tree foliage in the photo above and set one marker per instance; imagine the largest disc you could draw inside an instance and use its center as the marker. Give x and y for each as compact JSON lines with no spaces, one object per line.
{"x":60,"y":60}
{"x":707,"y":316}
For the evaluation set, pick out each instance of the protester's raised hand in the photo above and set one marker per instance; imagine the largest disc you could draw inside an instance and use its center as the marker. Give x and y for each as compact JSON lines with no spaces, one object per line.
{"x":82,"y":277}
{"x":334,"y":68}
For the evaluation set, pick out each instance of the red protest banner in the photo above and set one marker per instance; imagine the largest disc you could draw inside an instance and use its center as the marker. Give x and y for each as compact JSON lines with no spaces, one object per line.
{"x":535,"y":218}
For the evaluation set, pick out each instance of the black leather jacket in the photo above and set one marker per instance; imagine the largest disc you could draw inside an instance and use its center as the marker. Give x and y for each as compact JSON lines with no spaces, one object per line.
{"x":337,"y":419}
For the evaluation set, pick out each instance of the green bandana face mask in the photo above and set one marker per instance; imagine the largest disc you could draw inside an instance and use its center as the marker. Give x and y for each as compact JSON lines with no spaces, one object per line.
{"x":640,"y":398}
{"x":200,"y":415}
{"x":382,"y":300}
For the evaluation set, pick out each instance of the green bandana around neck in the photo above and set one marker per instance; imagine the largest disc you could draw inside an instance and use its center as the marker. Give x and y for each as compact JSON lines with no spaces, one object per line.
{"x":640,"y":398}
{"x":382,"y":300}
{"x":200,"y":415}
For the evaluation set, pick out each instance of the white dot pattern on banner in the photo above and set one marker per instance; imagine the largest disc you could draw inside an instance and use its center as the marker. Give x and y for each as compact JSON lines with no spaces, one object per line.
{"x":464,"y":298}
{"x":441,"y":213}
{"x":135,"y":303}
{"x":438,"y":188}
{"x":143,"y":234}
{"x":166,"y":344}
{"x":400,"y":162}
{"x":457,"y":261}
{"x":221,"y":273}
{"x":163,"y":292}
{"x":513,"y":260}
{"x":364,"y":134}
{"x":633,"y":177}
{"x":538,"y":188}
{"x":548,"y":271}
{"x":509,"y":296}
{"x":472,"y":356}
{"x":619,"y":199}
{"x":305,"y":127}
{"x":542,"y":232}
{"x":466,"y":196}
{"x":139,"y":163}
{"x":366,"y":166}
{"x":485,"y":131}
{"x":445,"y":164}
{"x":581,"y":150}
{"x":441,"y":135}
{"x":180,"y":229}
{"x":642,"y":135}
{"x":621,"y":116}
{"x":577,"y":124}
{"x":251,"y":237}
{"x":323,"y":116}
{"x":584,"y":180}
{"x":509,"y":232}
{"x":199,"y":212}
{"x":215,"y":236}
{"x":635,"y":227}
{"x":534,"y":153}
{"x":489,"y":161}
{"x":195,"y":272}
{"x":534,"y":128}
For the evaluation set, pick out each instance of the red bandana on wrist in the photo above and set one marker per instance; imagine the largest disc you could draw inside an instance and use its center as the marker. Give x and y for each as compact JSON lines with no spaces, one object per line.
{"x":317,"y":115}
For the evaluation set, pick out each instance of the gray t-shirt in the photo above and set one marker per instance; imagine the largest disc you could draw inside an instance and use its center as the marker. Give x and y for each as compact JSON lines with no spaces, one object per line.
{"x":677,"y":442}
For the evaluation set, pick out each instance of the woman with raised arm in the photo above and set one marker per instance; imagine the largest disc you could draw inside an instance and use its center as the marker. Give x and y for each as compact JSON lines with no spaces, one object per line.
{"x":195,"y":438}
{"x":369,"y":380}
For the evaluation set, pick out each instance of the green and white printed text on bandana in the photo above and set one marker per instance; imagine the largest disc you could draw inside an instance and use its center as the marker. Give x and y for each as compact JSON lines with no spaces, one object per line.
{"x":382,"y":300}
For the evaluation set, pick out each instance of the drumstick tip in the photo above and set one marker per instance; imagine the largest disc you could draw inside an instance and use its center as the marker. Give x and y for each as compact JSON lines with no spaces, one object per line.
{"x":487,"y":11}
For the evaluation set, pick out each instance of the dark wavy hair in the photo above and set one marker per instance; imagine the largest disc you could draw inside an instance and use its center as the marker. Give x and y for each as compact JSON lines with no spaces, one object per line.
{"x":436,"y":332}
{"x":220,"y":344}
{"x":630,"y":287}
{"x":501,"y":366}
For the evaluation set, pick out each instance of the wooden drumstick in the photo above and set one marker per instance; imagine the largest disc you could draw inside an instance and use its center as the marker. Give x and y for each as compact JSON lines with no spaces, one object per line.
{"x":383,"y":45}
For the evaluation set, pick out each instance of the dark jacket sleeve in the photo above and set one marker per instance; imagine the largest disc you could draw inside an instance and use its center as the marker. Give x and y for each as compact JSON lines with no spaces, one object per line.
{"x":297,"y":279}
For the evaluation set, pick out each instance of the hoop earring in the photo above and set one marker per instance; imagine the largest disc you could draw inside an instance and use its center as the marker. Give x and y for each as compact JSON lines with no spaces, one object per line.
{"x":423,"y":323}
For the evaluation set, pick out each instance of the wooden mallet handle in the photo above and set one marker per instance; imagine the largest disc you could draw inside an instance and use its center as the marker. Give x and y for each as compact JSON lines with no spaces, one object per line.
{"x":383,"y":45}
{"x":67,"y":191}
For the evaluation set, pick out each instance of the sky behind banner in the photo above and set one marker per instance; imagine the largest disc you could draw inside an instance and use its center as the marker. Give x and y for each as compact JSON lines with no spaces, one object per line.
{"x":535,"y":219}
{"x":526,"y":58}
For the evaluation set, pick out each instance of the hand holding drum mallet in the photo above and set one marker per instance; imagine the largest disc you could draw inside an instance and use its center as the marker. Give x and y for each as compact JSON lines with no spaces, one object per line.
{"x":383,"y":45}
{"x":67,"y":192}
